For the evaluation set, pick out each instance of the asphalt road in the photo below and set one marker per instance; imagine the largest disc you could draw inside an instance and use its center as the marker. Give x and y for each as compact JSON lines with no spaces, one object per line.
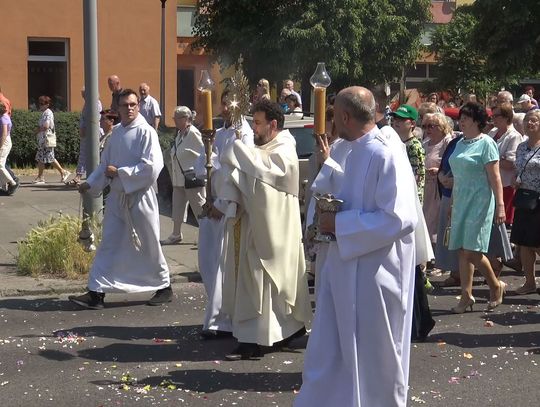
{"x":52,"y":353}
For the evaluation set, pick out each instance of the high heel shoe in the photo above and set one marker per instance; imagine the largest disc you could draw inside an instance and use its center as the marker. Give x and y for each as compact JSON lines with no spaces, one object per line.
{"x":461,"y":308}
{"x":494,"y":304}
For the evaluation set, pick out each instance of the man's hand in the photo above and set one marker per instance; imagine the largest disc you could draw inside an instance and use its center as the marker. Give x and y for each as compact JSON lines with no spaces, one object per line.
{"x":327,"y":222}
{"x":83,"y":187}
{"x":111,"y":171}
{"x":214,"y":213}
{"x":324,"y":148}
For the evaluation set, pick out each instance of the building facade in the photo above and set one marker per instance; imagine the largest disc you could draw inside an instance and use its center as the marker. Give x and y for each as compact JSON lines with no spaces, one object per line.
{"x":43,"y":50}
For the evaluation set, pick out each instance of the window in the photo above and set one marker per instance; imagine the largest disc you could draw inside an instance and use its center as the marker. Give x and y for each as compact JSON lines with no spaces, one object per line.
{"x":48,"y":72}
{"x":185,"y":19}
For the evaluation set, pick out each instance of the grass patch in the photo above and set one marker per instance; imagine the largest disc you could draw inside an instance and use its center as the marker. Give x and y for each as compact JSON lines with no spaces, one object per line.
{"x":51,"y":249}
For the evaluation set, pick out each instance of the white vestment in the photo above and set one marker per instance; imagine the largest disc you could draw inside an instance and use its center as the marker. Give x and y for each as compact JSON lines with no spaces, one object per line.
{"x":358,"y":351}
{"x":265,"y":287}
{"x":211,"y":231}
{"x":131,"y":205}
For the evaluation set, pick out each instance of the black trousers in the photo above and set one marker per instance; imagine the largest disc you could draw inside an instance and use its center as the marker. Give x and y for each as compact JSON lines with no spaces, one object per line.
{"x":423,"y":322}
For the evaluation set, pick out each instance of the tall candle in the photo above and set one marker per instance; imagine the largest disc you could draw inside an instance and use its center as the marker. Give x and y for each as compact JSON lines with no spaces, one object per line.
{"x":206,"y":95}
{"x":320,"y":108}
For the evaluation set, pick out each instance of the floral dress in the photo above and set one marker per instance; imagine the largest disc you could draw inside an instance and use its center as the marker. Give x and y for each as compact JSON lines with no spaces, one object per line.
{"x":416,"y":155}
{"x":45,"y":154}
{"x":474,"y":204}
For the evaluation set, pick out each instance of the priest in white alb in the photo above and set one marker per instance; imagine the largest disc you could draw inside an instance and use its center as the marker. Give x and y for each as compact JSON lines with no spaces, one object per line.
{"x":129,"y":258}
{"x":265,"y":288}
{"x":358,"y":350}
{"x":217,"y":323}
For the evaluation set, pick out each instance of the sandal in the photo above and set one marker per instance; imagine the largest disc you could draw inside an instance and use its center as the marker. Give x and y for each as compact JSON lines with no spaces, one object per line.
{"x":523,"y":290}
{"x":74,"y":182}
{"x":450,"y":282}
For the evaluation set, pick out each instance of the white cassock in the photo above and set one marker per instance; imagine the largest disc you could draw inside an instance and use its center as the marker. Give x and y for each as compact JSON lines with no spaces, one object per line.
{"x":131,"y":205}
{"x":211,"y":231}
{"x":358,"y":350}
{"x":265,"y":286}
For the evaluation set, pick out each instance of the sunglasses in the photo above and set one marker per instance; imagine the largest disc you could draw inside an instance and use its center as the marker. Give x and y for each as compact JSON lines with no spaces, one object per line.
{"x":429,"y":126}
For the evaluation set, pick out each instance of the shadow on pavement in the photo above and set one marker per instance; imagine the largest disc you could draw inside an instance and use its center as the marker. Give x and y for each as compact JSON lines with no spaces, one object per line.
{"x":468,"y":341}
{"x":211,"y":381}
{"x":56,"y":304}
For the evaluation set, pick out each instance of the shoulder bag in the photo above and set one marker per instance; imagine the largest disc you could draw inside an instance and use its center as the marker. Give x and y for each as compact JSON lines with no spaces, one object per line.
{"x":526,"y":198}
{"x":50,"y":138}
{"x":190,"y":180}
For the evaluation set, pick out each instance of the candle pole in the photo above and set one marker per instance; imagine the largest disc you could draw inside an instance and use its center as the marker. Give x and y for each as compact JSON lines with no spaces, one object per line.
{"x":208,"y":133}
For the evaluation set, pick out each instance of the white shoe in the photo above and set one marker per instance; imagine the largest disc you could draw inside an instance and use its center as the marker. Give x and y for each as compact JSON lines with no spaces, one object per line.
{"x":172,"y":239}
{"x":38,"y":181}
{"x":65,"y":176}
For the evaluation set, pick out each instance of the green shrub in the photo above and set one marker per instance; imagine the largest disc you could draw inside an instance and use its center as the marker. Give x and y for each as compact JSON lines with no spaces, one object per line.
{"x":23,"y":134}
{"x":51,"y":249}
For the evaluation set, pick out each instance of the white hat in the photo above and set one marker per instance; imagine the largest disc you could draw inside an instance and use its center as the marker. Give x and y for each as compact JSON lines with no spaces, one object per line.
{"x":523,"y":98}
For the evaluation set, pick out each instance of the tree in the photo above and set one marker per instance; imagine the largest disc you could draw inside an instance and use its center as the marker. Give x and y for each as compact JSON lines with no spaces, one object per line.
{"x":362,"y":41}
{"x":251,"y":28}
{"x":508,"y":34}
{"x":461,"y":65}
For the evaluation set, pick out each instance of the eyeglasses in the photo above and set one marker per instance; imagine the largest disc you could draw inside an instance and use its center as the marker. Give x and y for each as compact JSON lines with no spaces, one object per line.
{"x":429,"y":126}
{"x":532,"y":120}
{"x":132,"y":105}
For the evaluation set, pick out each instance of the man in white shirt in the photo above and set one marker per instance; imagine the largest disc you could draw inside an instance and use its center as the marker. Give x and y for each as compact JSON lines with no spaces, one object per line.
{"x":289,"y":84}
{"x":148,"y":106}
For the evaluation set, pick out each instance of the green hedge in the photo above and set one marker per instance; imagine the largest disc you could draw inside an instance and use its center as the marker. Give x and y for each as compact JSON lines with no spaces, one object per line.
{"x":23,"y":135}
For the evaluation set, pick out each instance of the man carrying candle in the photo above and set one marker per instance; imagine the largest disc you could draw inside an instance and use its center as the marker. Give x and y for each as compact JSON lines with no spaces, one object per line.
{"x":358,"y":351}
{"x":212,"y":228}
{"x":265,"y":288}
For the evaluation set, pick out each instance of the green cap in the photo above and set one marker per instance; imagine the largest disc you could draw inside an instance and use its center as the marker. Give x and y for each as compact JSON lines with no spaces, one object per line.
{"x":406,"y":112}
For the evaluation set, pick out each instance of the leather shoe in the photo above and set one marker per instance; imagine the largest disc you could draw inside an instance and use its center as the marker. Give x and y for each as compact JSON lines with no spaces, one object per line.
{"x":285,"y":342}
{"x":161,"y":296}
{"x":245,"y":351}
{"x":215,"y":334}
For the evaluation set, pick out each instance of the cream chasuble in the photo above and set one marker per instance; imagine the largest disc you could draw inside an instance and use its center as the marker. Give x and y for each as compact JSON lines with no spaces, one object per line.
{"x":266,"y":293}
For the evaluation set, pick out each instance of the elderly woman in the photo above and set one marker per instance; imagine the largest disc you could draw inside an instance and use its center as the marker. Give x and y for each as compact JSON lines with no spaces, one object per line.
{"x":185,"y":151}
{"x":437,"y":135}
{"x":507,"y":139}
{"x":45,"y":155}
{"x":5,"y":148}
{"x":477,"y":201}
{"x":526,"y":229}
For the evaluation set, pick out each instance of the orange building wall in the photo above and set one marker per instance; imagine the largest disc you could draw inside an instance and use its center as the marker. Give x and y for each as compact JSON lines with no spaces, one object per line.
{"x":129,"y":38}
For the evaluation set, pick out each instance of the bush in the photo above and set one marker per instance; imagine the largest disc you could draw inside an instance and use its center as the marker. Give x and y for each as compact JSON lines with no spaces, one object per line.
{"x":23,"y":134}
{"x":51,"y":249}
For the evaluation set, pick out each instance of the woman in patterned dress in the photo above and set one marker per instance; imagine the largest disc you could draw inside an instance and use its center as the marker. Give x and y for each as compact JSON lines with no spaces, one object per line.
{"x":45,"y":155}
{"x":477,"y":197}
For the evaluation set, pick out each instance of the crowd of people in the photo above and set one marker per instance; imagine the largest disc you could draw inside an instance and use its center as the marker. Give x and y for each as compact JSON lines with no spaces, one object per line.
{"x":418,"y":198}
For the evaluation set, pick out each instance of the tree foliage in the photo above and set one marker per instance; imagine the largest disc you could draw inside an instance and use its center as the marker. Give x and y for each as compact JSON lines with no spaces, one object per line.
{"x":361,"y":41}
{"x":461,"y":65}
{"x":508,"y":34}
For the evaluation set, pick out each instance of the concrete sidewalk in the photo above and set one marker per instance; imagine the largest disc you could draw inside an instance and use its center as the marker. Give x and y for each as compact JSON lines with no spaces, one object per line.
{"x":32,"y":203}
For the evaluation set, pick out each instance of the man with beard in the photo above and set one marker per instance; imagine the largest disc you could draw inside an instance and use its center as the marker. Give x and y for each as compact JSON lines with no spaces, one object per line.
{"x":265,"y":288}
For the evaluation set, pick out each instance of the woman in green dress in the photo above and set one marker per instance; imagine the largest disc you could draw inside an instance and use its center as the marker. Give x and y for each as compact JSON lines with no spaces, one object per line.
{"x":477,"y":197}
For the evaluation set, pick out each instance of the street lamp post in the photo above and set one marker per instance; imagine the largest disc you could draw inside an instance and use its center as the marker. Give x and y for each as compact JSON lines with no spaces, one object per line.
{"x":162,"y":70}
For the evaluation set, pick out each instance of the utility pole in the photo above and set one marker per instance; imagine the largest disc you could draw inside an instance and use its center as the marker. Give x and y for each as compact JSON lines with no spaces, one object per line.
{"x":91,"y":206}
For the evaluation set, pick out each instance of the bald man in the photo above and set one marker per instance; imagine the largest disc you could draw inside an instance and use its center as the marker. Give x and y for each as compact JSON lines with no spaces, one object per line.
{"x":149,"y":106}
{"x":114,"y":85}
{"x":358,"y":350}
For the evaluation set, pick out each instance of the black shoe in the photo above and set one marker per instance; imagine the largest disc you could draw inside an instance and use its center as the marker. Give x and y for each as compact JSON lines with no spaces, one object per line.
{"x":215,"y":334}
{"x":245,"y":351}
{"x":90,"y":300}
{"x":285,"y":342}
{"x":11,"y":189}
{"x":161,"y":296}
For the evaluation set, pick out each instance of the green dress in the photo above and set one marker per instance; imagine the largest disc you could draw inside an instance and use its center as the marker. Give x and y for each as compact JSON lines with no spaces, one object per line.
{"x":473,"y":201}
